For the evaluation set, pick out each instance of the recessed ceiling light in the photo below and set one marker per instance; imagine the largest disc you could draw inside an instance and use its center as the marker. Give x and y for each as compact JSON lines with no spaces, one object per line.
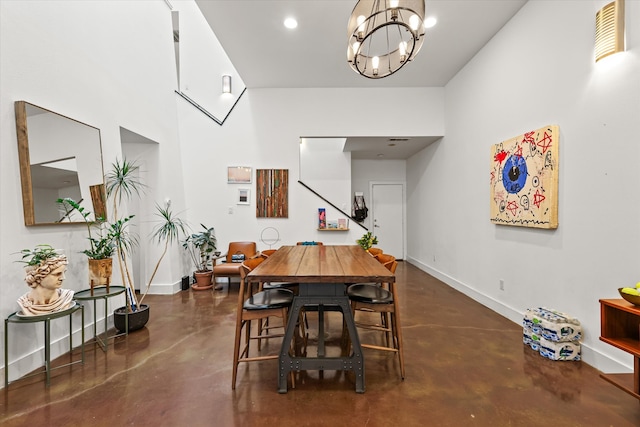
{"x":380,"y":155}
{"x":430,"y":22}
{"x":290,"y":23}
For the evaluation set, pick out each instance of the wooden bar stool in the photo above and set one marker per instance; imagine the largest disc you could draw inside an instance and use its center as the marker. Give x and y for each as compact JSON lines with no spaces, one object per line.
{"x":373,"y":298}
{"x":256,"y":306}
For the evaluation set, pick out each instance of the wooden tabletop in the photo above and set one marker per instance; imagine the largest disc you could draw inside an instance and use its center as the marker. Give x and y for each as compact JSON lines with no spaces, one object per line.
{"x":321,"y":263}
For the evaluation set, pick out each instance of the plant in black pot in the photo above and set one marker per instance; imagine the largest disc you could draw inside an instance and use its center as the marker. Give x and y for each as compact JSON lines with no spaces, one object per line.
{"x":122,"y":184}
{"x":201,"y":247}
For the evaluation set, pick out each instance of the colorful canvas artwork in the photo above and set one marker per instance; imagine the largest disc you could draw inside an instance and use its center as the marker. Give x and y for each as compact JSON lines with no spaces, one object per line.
{"x":524,"y":179}
{"x":272,"y":193}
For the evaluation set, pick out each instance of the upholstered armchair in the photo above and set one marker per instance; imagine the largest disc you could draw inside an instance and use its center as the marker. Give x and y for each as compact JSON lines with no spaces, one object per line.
{"x":230,"y":266}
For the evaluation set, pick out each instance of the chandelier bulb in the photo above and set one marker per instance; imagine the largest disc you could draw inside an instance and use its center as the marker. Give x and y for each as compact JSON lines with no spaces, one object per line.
{"x":402,"y":47}
{"x":414,"y":22}
{"x":361,"y":27}
{"x":393,"y":4}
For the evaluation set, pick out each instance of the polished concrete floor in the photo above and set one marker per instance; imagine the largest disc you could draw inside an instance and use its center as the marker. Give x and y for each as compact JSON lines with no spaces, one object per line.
{"x":465,"y":366}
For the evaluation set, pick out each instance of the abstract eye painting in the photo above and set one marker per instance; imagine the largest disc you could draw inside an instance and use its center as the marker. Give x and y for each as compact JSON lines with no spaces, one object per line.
{"x":524,"y":179}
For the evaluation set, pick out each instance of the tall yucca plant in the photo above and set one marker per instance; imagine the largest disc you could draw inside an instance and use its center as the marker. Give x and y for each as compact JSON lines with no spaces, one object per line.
{"x":167,"y":230}
{"x":122,"y":183}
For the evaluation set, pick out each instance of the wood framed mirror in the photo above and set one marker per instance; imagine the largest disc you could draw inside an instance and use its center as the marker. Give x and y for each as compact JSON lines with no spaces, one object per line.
{"x":59,"y":157}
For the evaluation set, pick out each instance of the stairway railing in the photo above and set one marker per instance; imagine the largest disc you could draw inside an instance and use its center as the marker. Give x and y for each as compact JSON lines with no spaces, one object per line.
{"x":332,"y":205}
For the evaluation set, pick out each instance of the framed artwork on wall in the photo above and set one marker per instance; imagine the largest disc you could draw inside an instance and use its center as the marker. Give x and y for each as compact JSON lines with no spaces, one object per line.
{"x":272,"y":193}
{"x":524,"y":179}
{"x":244,"y":196}
{"x":239,"y":174}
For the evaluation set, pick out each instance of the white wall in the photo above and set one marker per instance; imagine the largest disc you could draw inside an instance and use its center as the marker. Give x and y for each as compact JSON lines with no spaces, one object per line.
{"x":538,"y":70}
{"x":326,"y":168}
{"x":264,"y":132}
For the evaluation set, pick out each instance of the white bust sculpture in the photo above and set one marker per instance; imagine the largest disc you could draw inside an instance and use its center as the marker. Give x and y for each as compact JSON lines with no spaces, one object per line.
{"x":45,"y":281}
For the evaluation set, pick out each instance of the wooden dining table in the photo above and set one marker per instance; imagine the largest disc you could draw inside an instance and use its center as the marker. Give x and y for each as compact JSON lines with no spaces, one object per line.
{"x":322,"y":273}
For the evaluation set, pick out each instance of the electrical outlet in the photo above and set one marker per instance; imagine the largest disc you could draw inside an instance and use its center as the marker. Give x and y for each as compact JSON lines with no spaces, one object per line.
{"x":501,"y":285}
{"x":230,"y":210}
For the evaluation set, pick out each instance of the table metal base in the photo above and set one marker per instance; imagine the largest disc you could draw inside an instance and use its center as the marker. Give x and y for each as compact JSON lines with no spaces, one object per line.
{"x":323,"y":296}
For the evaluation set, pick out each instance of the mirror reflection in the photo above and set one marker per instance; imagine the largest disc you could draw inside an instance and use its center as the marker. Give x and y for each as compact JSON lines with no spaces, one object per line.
{"x":59,"y":157}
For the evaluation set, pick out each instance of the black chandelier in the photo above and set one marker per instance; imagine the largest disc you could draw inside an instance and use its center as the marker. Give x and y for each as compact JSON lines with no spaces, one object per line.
{"x":384,"y":35}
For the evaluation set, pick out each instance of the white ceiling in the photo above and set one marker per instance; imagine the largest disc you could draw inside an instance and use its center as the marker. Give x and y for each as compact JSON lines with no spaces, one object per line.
{"x":268,"y":55}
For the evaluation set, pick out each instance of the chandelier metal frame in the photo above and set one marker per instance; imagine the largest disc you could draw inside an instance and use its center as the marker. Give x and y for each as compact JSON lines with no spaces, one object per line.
{"x":383,"y":35}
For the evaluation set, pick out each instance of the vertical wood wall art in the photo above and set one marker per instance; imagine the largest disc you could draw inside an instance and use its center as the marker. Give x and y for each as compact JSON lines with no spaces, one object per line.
{"x":272,"y":193}
{"x":524,"y":179}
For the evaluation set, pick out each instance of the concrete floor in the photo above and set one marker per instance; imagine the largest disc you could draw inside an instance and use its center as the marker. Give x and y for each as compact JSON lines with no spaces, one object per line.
{"x":465,"y":366}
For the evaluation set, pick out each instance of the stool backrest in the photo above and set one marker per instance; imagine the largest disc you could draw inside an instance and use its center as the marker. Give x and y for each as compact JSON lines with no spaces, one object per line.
{"x":267,"y":253}
{"x":250,"y":264}
{"x":375,"y":251}
{"x":385,"y":259}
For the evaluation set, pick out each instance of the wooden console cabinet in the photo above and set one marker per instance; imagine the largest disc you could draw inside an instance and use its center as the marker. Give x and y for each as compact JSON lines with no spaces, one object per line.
{"x":620,"y":327}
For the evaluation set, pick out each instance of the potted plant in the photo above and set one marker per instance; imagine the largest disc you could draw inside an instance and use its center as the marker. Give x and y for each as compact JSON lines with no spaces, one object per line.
{"x":38,"y":255}
{"x":367,"y":240}
{"x":122,"y":183}
{"x":101,"y":243}
{"x":201,"y":247}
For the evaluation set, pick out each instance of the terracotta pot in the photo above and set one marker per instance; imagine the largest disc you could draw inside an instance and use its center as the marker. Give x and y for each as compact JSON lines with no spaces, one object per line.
{"x":203,"y":280}
{"x":137,"y":319}
{"x":100,"y":272}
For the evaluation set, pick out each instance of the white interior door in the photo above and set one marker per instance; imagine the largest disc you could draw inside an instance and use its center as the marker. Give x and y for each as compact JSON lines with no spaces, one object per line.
{"x":387,"y":217}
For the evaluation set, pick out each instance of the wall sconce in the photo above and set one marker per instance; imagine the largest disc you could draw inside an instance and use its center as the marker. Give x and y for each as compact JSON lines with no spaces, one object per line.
{"x":226,"y":84}
{"x":610,"y":29}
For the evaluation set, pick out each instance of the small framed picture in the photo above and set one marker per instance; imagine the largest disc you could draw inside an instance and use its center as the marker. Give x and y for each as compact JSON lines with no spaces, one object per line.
{"x":244,"y":196}
{"x":239,"y":174}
